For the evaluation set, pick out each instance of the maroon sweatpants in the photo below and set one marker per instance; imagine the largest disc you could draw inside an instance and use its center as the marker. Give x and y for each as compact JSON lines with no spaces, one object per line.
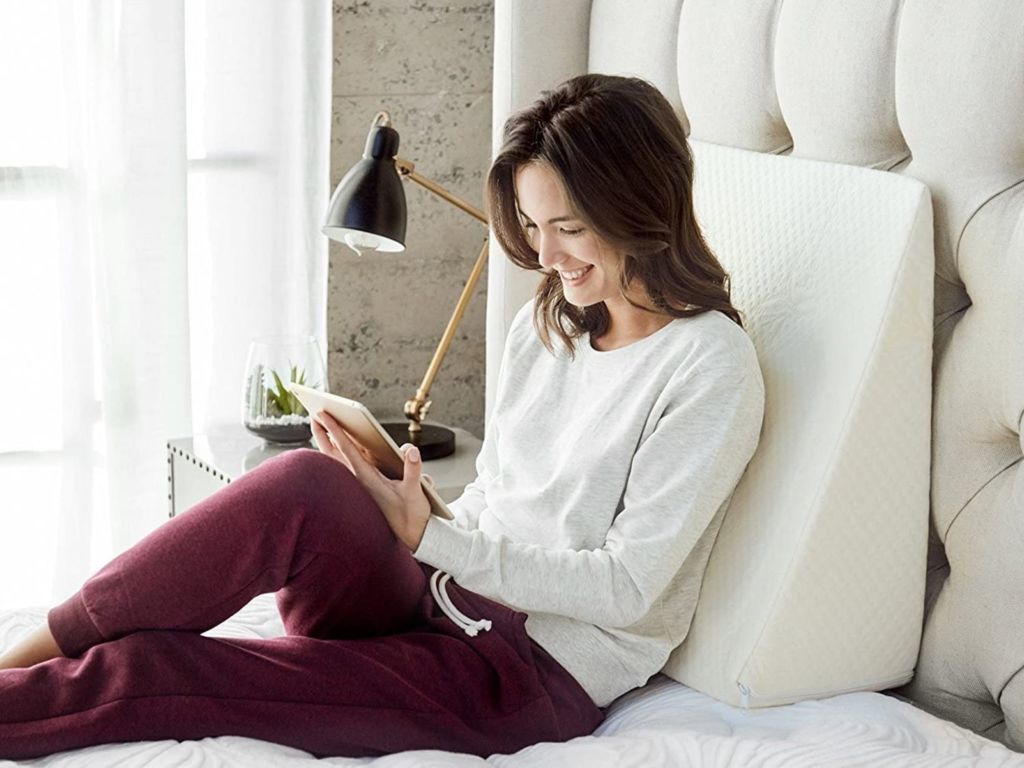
{"x":370,"y":665}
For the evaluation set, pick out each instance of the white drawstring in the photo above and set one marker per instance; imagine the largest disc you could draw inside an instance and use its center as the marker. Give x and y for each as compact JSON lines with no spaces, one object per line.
{"x":462,"y":621}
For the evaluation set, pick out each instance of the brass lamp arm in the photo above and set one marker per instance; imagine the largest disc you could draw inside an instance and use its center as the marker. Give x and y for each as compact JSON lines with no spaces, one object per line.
{"x":407,"y":171}
{"x":416,"y":409}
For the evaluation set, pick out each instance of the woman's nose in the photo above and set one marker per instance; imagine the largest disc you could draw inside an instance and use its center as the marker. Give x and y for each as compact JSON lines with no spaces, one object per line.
{"x":547,"y":254}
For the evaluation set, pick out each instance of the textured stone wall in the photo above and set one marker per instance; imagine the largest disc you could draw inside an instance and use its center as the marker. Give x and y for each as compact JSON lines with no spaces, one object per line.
{"x":430,"y":67}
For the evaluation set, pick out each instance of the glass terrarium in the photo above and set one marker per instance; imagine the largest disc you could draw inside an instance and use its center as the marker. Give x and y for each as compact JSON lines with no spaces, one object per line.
{"x":269,"y":409}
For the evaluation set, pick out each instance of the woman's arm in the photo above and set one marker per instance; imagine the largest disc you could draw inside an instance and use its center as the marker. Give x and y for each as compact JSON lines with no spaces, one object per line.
{"x":680,"y":476}
{"x":473,"y":501}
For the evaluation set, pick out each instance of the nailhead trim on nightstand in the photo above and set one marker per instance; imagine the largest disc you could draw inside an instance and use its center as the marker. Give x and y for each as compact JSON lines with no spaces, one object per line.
{"x":174,"y":451}
{"x":194,"y":460}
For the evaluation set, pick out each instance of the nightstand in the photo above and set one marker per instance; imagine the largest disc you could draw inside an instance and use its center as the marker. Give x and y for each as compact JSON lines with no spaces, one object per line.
{"x":199,"y":466}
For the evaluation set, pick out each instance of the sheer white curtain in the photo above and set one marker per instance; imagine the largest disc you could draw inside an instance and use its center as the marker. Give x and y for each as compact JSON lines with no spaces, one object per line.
{"x":163,"y":172}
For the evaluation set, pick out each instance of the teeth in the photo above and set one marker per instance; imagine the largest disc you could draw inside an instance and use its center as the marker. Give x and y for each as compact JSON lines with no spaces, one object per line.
{"x":576,"y":274}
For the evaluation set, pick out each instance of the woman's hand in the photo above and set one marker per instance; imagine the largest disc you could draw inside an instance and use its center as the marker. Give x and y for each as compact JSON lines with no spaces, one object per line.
{"x":403,"y":502}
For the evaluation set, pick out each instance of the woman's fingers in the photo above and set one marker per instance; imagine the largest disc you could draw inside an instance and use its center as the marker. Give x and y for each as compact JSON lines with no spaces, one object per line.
{"x":354,"y":454}
{"x":321,"y":438}
{"x":326,"y":445}
{"x":413,"y":469}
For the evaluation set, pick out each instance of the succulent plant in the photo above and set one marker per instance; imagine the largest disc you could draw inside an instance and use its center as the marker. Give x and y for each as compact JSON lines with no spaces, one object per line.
{"x":281,"y":402}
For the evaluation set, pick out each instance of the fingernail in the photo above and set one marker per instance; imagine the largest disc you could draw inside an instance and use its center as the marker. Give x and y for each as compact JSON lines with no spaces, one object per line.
{"x":414,"y":453}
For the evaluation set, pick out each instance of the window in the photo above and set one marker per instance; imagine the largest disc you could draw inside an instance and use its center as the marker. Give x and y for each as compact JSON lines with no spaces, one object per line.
{"x":242,"y":90}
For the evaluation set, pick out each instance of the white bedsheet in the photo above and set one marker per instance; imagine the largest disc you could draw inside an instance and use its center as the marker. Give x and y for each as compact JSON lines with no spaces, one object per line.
{"x":662,"y":724}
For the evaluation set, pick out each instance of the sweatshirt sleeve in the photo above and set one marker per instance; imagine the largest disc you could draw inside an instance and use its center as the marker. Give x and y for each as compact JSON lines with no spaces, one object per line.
{"x":473,"y":501}
{"x":681,"y":473}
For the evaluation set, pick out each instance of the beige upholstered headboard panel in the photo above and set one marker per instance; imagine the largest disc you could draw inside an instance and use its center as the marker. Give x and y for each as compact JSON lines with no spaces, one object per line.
{"x":927,"y":88}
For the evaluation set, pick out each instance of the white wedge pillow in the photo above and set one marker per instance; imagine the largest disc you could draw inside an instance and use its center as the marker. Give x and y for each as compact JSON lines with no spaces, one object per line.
{"x":815,"y":585}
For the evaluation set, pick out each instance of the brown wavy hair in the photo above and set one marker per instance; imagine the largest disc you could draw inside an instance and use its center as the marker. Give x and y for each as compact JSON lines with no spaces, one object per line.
{"x":623,"y":160}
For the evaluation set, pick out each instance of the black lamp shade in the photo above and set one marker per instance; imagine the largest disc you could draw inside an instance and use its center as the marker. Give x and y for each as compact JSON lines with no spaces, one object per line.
{"x":368,"y":207}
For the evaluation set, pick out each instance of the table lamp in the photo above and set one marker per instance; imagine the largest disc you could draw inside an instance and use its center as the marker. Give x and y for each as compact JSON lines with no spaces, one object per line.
{"x":367,"y":212}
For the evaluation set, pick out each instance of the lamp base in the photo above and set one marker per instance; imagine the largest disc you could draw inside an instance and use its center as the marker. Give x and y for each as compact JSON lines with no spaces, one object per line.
{"x":433,"y":441}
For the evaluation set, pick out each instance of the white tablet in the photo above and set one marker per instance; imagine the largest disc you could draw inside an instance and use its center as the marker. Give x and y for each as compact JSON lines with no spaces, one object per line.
{"x":364,"y":427}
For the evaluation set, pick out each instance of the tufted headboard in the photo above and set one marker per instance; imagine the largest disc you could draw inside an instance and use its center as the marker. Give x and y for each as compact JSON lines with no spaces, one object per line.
{"x":929,"y":89}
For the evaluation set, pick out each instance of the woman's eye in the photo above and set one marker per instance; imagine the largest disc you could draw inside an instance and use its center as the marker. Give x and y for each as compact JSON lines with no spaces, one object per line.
{"x":530,"y":227}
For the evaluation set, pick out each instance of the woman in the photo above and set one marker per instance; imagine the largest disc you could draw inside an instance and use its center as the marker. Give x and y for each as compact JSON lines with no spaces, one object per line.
{"x":629,"y":403}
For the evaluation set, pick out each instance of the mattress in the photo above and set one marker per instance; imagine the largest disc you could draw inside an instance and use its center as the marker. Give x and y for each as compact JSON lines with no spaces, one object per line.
{"x":662,"y":724}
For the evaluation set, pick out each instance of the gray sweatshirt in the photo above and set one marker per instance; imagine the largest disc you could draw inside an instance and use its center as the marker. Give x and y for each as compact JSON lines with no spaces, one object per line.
{"x":601,"y":485}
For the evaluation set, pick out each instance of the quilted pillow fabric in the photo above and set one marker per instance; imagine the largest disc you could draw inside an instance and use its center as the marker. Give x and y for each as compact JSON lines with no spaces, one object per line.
{"x":815,"y":585}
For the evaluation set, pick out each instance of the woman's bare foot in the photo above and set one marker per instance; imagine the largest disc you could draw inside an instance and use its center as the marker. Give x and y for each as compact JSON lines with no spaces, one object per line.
{"x":37,"y":647}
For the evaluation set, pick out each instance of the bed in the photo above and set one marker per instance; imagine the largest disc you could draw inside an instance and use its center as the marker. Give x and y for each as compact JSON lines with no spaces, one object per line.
{"x":859,"y":170}
{"x":664,"y":723}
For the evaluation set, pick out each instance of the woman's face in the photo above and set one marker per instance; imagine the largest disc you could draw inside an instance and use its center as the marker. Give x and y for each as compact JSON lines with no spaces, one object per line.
{"x":588,"y":267}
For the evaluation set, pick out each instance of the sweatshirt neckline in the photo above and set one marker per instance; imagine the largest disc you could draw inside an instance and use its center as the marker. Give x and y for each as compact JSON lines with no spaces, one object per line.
{"x":607,"y":354}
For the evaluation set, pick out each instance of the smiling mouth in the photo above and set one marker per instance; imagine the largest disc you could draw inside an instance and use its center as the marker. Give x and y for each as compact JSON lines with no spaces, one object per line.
{"x":575,"y":275}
